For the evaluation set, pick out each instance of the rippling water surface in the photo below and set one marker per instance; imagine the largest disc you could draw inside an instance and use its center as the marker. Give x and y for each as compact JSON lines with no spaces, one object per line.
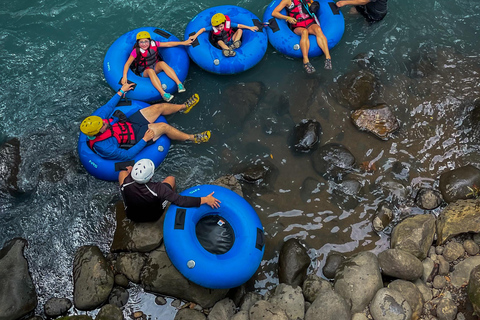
{"x":425,"y":55}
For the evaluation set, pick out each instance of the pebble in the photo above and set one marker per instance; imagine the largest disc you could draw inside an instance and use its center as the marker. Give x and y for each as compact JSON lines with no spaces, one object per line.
{"x":471,"y":247}
{"x":439,"y":249}
{"x":138,"y":314}
{"x":443,"y":266}
{"x":176,"y":303}
{"x":439,"y":282}
{"x":431,"y":252}
{"x":161,"y":301}
{"x":453,"y":250}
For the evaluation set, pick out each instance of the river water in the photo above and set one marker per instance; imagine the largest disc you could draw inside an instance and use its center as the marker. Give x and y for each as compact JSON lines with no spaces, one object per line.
{"x":425,"y":56}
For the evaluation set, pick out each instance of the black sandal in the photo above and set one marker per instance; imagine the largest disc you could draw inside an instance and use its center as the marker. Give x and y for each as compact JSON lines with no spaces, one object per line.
{"x":328,"y":64}
{"x":229,"y":53}
{"x":308,"y":68}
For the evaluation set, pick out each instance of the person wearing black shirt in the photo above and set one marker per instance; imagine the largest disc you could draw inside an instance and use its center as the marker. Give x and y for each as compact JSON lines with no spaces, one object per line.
{"x":372,"y":10}
{"x":145,"y":201}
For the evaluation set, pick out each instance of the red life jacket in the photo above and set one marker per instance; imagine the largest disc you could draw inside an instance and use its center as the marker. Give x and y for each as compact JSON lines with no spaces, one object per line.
{"x":139,"y":65}
{"x":298,"y":12}
{"x":225,"y":35}
{"x":122,"y":131}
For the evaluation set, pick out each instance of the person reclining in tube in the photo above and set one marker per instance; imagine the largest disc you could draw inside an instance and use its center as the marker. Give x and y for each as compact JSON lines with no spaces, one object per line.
{"x":145,"y":201}
{"x":109,"y":137}
{"x":224,"y":34}
{"x":303,"y":24}
{"x":372,"y":10}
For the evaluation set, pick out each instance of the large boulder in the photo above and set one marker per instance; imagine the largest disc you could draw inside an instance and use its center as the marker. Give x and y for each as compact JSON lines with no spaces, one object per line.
{"x":160,"y":276}
{"x":229,"y":182}
{"x":332,"y":161}
{"x":458,"y":217}
{"x":328,"y":305}
{"x":358,"y":279}
{"x":378,"y":120}
{"x":414,"y":235}
{"x":412,"y":294}
{"x":389,"y":304}
{"x":400,"y":264}
{"x":93,"y":278}
{"x":9,"y":166}
{"x":459,"y":183}
{"x":306,"y":135}
{"x":289,"y":299}
{"x":131,"y":264}
{"x":461,"y":275}
{"x":17,"y":291}
{"x":473,"y":289}
{"x":293,"y":263}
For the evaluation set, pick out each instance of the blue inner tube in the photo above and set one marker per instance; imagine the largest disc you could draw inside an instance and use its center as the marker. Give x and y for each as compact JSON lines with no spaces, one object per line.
{"x":106,"y":169}
{"x":210,"y":58}
{"x":282,"y":38}
{"x":119,"y":51}
{"x":233,"y":264}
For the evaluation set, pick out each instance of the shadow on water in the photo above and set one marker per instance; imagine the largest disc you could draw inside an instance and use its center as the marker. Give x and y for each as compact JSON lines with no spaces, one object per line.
{"x":422,"y":61}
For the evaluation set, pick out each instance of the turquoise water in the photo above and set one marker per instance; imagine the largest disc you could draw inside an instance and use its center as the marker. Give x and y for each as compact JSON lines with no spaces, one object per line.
{"x":51,"y":61}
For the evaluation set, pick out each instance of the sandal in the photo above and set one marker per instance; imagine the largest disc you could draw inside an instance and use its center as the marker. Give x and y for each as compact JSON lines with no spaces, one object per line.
{"x":328,"y":64}
{"x":236,"y":44}
{"x":229,"y":53}
{"x":191,"y":102}
{"x":167,"y":97}
{"x":308,"y":68}
{"x":201,"y":137}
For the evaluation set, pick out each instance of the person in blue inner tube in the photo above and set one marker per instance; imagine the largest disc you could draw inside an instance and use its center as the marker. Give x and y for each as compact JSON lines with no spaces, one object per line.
{"x":372,"y":10}
{"x":224,"y":34}
{"x":145,"y":201}
{"x":122,"y":138}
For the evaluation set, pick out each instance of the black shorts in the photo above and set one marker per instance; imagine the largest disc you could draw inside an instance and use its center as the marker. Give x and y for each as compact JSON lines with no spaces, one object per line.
{"x":139,"y":125}
{"x":370,"y":15}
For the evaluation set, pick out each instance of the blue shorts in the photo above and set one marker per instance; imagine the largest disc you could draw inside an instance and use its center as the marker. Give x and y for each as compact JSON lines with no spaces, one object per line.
{"x":139,"y":125}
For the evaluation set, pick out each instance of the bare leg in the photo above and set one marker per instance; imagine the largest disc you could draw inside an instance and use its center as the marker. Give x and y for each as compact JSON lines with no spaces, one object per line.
{"x":150,"y":73}
{"x":162,"y":128}
{"x":156,"y":110}
{"x":304,"y":43}
{"x":321,"y":39}
{"x":223,"y":45}
{"x":162,"y":65}
{"x":237,"y":35}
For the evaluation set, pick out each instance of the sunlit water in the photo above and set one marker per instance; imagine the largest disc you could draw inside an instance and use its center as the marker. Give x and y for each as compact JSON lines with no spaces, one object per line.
{"x":51,"y":61}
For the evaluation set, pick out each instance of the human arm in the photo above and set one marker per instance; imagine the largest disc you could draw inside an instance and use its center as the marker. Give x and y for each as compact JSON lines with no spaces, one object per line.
{"x":242,"y":26}
{"x":123,"y":174}
{"x":169,"y":44}
{"x":110,"y":148}
{"x":351,"y":3}
{"x":199,"y":32}
{"x":126,"y":67}
{"x":276,"y":12}
{"x":211,"y":201}
{"x":106,"y":110}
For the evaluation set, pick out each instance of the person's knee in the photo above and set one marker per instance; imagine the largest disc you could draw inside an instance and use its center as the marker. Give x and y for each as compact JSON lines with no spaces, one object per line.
{"x":170,"y":180}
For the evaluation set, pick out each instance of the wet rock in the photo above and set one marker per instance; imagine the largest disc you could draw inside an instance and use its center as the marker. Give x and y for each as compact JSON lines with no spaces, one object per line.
{"x":389,"y":304}
{"x":17,"y":291}
{"x":189,"y":314}
{"x":365,"y":60}
{"x":461,"y":274}
{"x":264,"y":310}
{"x":411,"y":293}
{"x":133,"y":236}
{"x":255,"y":173}
{"x":10,"y":166}
{"x":109,"y":312}
{"x":471,"y":247}
{"x":428,"y":199}
{"x":289,"y":299}
{"x":223,"y":309}
{"x":118,"y":297}
{"x":414,"y":235}
{"x":423,"y":65}
{"x":229,"y":182}
{"x":160,"y":276}
{"x":332,"y":161}
{"x":249,"y":300}
{"x":358,"y":279}
{"x":458,"y":217}
{"x":310,"y":188}
{"x":446,"y":309}
{"x":453,"y":250}
{"x":92,"y":278}
{"x":458,"y":183}
{"x":357,"y":88}
{"x":272,"y":113}
{"x":55,"y":307}
{"x":383,"y":217}
{"x":121,"y":280}
{"x":473,"y":289}
{"x":345,"y":194}
{"x":302,"y":99}
{"x":131,"y":264}
{"x":334,"y":260}
{"x":293,"y":263}
{"x":313,"y":286}
{"x":306,"y":135}
{"x":378,"y":120}
{"x":328,"y":305}
{"x":161,"y":301}
{"x":400,"y":264}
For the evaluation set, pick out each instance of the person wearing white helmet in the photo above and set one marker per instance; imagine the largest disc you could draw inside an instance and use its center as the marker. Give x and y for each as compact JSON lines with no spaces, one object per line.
{"x":145,"y":201}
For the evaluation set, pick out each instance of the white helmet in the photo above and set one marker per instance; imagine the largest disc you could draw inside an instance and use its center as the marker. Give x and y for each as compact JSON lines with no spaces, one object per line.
{"x":143,"y":171}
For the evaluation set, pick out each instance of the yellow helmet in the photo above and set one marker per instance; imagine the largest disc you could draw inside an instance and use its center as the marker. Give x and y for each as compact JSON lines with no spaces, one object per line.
{"x":91,"y":125}
{"x":218,"y":19}
{"x":143,"y":35}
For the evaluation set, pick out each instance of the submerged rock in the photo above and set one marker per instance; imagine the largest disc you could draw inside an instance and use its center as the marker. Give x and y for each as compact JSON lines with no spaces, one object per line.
{"x":306,"y":135}
{"x":10,"y":166}
{"x":332,"y":161}
{"x":383,"y":217}
{"x":229,"y":182}
{"x":460,"y":183}
{"x":428,"y":199}
{"x":458,"y":217}
{"x":378,"y":120}
{"x":293,"y":263}
{"x":357,"y":88}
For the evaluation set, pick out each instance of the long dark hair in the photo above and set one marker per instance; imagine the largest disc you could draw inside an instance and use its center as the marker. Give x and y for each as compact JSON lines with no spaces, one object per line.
{"x":137,"y":49}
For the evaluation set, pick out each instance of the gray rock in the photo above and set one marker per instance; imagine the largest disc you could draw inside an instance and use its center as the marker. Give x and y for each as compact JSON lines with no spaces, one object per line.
{"x":229,"y":182}
{"x":471,"y":247}
{"x":10,"y":161}
{"x":443,"y":266}
{"x":109,"y":312}
{"x":378,"y":120}
{"x":240,"y":315}
{"x":293,"y":263}
{"x":249,"y":300}
{"x":458,"y":217}
{"x":189,"y":314}
{"x":439,"y":282}
{"x":428,"y":199}
{"x":328,"y":305}
{"x":289,"y":299}
{"x":424,"y":290}
{"x":313,"y":285}
{"x":306,"y":135}
{"x":389,"y":304}
{"x":264,"y":310}
{"x":476,"y":238}
{"x":453,"y":250}
{"x":473,"y":289}
{"x":411,"y":293}
{"x":176,"y":303}
{"x":133,"y":236}
{"x":455,"y":184}
{"x":332,"y":161}
{"x":121,"y":280}
{"x":439,"y":250}
{"x":118,"y":297}
{"x":383,"y":217}
{"x":446,"y":309}
{"x":93,"y":278}
{"x":461,"y":274}
{"x":428,"y":267}
{"x":358,"y":279}
{"x":359,"y":316}
{"x":161,"y":301}
{"x":311,"y":187}
{"x":17,"y":291}
{"x":55,"y":307}
{"x":131,"y":264}
{"x":331,"y":265}
{"x":414,"y":235}
{"x":160,"y":276}
{"x":400,"y":264}
{"x":223,"y":309}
